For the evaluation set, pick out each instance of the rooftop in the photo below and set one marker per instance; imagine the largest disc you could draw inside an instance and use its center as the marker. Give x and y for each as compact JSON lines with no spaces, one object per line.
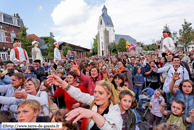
{"x":106,"y":18}
{"x":126,"y":37}
{"x":12,"y":20}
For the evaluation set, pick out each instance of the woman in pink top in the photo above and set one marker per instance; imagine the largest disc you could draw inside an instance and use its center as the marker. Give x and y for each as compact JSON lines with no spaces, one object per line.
{"x":89,"y":81}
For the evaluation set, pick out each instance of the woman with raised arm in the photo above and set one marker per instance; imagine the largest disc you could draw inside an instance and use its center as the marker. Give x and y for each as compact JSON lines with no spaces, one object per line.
{"x":103,"y":113}
{"x":89,"y":81}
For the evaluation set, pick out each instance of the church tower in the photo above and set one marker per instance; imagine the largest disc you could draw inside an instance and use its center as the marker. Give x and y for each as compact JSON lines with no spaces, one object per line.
{"x":106,"y":32}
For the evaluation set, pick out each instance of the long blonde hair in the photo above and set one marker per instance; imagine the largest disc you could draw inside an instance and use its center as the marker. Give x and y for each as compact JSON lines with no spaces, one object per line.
{"x":108,"y":88}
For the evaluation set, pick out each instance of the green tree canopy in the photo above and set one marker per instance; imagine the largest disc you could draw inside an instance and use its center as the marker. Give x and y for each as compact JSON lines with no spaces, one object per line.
{"x":65,"y":49}
{"x":145,"y":48}
{"x":112,"y":48}
{"x":152,"y":47}
{"x":121,"y":46}
{"x":50,"y":47}
{"x":26,"y":43}
{"x":186,"y":33}
{"x":95,"y":46}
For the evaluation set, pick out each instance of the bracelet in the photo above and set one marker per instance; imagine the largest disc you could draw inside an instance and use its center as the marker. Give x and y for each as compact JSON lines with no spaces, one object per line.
{"x":68,"y":87}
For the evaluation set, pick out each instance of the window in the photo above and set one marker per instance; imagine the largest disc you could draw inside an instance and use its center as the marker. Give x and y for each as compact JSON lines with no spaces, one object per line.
{"x":2,"y":36}
{"x":1,"y":18}
{"x":20,"y":22}
{"x":7,"y":18}
{"x":12,"y":36}
{"x":102,"y":46}
{"x":14,"y":21}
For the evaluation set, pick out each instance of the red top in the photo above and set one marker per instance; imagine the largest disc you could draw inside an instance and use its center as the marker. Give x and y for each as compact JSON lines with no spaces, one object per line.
{"x":69,"y":101}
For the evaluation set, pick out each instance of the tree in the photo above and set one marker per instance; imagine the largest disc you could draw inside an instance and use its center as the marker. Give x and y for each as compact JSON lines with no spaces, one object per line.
{"x":66,"y":48}
{"x":112,"y":48}
{"x":140,"y":44}
{"x":186,"y":34}
{"x":121,"y":46}
{"x":145,"y":48}
{"x":95,"y":46}
{"x":26,"y":43}
{"x":50,"y":46}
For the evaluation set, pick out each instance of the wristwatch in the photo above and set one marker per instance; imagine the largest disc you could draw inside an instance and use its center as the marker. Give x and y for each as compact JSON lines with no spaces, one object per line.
{"x":67,"y":88}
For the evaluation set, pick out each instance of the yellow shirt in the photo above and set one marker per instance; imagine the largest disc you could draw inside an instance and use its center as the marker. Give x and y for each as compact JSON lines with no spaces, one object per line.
{"x":116,"y":92}
{"x":5,"y":72}
{"x":177,"y":120}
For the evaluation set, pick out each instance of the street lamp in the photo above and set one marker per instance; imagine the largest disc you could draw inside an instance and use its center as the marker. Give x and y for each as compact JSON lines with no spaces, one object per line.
{"x":174,"y":35}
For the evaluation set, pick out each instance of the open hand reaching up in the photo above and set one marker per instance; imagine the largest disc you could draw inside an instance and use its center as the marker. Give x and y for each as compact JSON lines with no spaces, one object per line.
{"x":175,"y":76}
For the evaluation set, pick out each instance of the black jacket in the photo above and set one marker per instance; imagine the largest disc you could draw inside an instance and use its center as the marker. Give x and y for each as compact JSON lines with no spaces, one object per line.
{"x":40,"y":73}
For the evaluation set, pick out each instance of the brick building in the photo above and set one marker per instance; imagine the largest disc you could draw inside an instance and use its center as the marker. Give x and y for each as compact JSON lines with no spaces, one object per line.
{"x":9,"y":29}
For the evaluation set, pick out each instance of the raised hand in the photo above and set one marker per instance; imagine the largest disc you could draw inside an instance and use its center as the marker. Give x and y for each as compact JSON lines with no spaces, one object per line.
{"x":54,"y":80}
{"x":79,"y":113}
{"x":175,"y":76}
{"x":163,"y":104}
{"x":191,"y":112}
{"x":74,"y":67}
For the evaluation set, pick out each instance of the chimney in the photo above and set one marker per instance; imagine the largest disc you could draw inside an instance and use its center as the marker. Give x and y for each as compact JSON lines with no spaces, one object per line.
{"x":17,"y":15}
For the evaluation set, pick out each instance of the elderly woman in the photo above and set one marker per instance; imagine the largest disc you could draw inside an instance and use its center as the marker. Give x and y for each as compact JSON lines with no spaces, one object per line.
{"x":31,"y":92}
{"x":103,"y":115}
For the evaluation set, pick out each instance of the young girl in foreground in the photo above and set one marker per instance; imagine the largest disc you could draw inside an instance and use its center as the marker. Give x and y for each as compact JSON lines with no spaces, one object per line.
{"x":128,"y":116}
{"x":185,"y":93}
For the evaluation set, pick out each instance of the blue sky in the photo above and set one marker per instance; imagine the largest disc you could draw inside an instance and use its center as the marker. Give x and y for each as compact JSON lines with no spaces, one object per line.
{"x":36,"y":14}
{"x":76,"y":21}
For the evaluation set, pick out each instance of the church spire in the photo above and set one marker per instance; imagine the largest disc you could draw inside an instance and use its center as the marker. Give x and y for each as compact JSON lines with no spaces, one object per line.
{"x":104,"y":10}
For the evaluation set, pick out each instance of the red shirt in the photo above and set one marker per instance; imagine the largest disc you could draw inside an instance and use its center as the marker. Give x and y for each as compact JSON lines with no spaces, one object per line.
{"x":69,"y":101}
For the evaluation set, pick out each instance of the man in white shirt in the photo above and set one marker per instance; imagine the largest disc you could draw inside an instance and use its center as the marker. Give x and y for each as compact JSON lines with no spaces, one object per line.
{"x":171,"y":69}
{"x":167,"y":44}
{"x":18,"y":54}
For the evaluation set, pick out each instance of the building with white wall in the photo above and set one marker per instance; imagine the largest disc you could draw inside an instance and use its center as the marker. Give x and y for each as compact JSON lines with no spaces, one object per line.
{"x":106,"y":33}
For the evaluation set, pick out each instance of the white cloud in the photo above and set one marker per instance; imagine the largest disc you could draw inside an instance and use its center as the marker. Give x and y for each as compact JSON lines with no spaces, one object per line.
{"x":40,"y":7}
{"x":143,"y":20}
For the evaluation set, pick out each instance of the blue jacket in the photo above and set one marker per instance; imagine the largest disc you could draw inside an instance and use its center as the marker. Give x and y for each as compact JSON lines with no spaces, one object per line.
{"x":138,"y":78}
{"x":46,"y":68}
{"x":133,"y":69}
{"x":189,"y":103}
{"x":30,"y":75}
{"x":5,"y":80}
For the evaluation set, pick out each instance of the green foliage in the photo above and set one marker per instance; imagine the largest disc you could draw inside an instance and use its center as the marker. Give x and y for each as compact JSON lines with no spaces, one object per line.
{"x":145,"y":48}
{"x":140,"y":44}
{"x":45,"y":39}
{"x":65,"y":49}
{"x":50,"y":46}
{"x":121,"y":46}
{"x":89,"y":54}
{"x":186,"y":33}
{"x":112,"y":48}
{"x":152,"y":47}
{"x":26,"y":43}
{"x":95,"y":46}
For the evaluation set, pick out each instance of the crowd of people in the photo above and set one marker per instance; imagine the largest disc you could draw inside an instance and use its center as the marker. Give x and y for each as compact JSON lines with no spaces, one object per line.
{"x":99,"y":92}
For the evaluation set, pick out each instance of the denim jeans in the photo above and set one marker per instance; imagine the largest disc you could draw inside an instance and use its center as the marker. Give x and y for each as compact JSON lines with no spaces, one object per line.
{"x":167,"y":100}
{"x":137,"y":91}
